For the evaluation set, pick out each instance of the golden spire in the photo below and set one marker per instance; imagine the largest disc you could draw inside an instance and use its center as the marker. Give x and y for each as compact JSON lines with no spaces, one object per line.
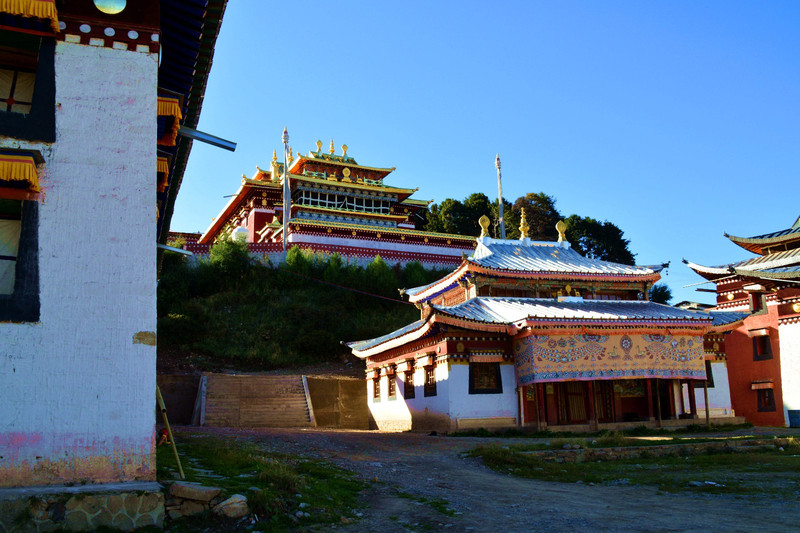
{"x":332,"y":148}
{"x":275,"y":155}
{"x":291,"y":157}
{"x":484,"y":223}
{"x":523,"y":227}
{"x":561,"y":227}
{"x":319,"y":146}
{"x":344,"y":150}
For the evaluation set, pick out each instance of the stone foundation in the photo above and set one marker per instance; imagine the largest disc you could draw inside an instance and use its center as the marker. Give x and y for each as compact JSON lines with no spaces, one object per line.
{"x":122,"y":506}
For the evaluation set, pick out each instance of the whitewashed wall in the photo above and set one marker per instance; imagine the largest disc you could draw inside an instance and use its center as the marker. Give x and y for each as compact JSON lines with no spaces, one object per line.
{"x":78,"y":387}
{"x":482,"y":410}
{"x":789,"y":335}
{"x":719,"y":397}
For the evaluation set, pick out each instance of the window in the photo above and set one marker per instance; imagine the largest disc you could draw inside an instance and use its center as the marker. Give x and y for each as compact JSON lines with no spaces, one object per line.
{"x":484,"y":378}
{"x":376,"y":389}
{"x":27,"y":86}
{"x":430,"y":381}
{"x":762,"y":349}
{"x":766,"y":400}
{"x":19,"y":271}
{"x":409,"y":390}
{"x":392,"y":387}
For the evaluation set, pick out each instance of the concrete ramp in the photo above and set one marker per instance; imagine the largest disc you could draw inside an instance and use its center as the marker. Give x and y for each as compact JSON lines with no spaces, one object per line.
{"x":253,"y":401}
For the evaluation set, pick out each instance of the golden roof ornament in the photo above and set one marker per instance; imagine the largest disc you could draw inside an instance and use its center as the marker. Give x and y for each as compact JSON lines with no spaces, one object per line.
{"x":561,"y":227}
{"x":274,"y":155}
{"x":484,"y":223}
{"x":332,"y":148}
{"x":523,"y":227}
{"x":319,"y":146}
{"x":291,"y":157}
{"x":344,"y":150}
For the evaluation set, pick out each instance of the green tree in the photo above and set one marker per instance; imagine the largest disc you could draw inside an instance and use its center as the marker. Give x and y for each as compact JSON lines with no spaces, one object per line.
{"x":541,"y":216}
{"x":230,"y":258}
{"x":660,"y":293}
{"x":598,"y":240}
{"x":380,"y":279}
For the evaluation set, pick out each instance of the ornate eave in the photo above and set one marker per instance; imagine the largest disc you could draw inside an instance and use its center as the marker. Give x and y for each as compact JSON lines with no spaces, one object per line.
{"x":782,"y":240}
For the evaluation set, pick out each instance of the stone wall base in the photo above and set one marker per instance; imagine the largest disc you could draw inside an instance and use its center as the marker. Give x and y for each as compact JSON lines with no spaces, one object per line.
{"x":122,"y":506}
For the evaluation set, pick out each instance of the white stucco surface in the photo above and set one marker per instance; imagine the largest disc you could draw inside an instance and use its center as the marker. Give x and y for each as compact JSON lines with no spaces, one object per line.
{"x":789,"y":336}
{"x":78,"y":386}
{"x":464,"y":405}
{"x":719,"y":396}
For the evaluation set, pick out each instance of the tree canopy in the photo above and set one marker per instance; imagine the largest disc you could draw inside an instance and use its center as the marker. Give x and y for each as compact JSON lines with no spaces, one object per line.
{"x":588,"y":236}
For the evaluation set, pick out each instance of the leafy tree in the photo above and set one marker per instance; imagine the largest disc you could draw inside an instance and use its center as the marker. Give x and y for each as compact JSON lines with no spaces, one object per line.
{"x":230,"y":257}
{"x":660,"y":293}
{"x":380,"y":279}
{"x":541,"y":216}
{"x":598,"y":240}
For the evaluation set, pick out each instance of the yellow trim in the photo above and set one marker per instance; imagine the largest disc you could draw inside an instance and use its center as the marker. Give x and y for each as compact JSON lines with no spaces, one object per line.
{"x":168,"y":106}
{"x":398,"y":231}
{"x":399,"y":217}
{"x":40,"y":9}
{"x":19,"y":168}
{"x":352,"y":184}
{"x":162,"y":166}
{"x":258,"y":183}
{"x":341,"y":164}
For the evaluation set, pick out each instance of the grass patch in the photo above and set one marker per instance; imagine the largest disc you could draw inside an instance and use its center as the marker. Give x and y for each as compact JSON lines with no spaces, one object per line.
{"x":277,"y":486}
{"x":765,"y":473}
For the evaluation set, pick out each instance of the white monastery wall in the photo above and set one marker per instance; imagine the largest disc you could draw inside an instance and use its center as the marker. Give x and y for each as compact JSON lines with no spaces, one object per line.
{"x":719,"y":396}
{"x":789,"y":338}
{"x":482,"y":410}
{"x":78,"y":387}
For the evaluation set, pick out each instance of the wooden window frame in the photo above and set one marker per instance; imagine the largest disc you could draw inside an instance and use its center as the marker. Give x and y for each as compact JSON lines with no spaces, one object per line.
{"x":429,"y":388}
{"x":475,"y":368}
{"x":376,"y":389}
{"x":409,"y":393}
{"x":762,"y":348}
{"x":766,"y":400}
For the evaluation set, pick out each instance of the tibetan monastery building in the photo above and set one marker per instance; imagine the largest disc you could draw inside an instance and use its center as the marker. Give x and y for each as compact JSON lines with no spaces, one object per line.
{"x":534,"y":334}
{"x":762,"y":351}
{"x":336,"y":206}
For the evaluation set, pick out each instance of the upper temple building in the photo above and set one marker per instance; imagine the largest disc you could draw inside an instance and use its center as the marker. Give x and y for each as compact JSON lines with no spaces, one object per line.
{"x":336,"y":206}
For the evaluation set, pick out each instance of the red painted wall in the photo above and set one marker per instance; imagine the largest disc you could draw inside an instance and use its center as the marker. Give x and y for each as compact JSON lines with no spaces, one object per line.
{"x":743,"y":370}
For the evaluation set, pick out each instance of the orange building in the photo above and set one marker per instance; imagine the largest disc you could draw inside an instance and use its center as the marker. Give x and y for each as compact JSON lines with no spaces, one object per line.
{"x":763,"y":349}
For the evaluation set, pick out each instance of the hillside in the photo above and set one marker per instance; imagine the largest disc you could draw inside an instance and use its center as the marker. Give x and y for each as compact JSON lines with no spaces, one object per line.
{"x":232,"y":313}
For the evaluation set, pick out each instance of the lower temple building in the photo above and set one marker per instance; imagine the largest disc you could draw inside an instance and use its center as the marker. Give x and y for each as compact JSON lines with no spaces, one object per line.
{"x":534,"y":334}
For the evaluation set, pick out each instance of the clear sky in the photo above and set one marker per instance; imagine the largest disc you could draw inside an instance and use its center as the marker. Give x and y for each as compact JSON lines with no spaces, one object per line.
{"x":677,"y":121}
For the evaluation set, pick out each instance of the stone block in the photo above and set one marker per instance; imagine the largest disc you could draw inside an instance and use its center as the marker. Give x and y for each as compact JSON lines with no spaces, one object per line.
{"x":150,"y":502}
{"x":191,"y":507}
{"x":233,"y":507}
{"x":193,"y":491}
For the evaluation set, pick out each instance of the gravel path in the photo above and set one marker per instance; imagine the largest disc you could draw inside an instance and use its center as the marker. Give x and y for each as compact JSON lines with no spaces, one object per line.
{"x":407,"y":471}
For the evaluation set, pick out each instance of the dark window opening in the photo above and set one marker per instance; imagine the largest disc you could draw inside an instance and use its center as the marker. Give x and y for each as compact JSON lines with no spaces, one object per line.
{"x":409,"y":390}
{"x":19,"y":262}
{"x":484,"y":378}
{"x":376,"y":389}
{"x":761,"y":348}
{"x":766,"y":400}
{"x":430,"y":381}
{"x":392,"y":387}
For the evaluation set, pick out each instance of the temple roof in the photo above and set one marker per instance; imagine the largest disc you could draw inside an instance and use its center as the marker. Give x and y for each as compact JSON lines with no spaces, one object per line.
{"x":727,"y":318}
{"x":785,"y":263}
{"x":526,"y":258}
{"x":512,"y":310}
{"x":505,"y":314}
{"x":761,"y":244}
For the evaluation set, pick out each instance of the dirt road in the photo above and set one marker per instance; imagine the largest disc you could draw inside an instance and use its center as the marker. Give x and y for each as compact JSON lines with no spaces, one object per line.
{"x":408,"y":471}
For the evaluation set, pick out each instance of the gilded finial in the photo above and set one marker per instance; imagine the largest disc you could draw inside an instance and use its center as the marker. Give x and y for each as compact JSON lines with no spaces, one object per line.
{"x":561,"y":227}
{"x":344,"y":150}
{"x":484,"y":223}
{"x":319,"y":146}
{"x":285,"y":137}
{"x":332,"y":150}
{"x":274,"y":155}
{"x":523,"y":226}
{"x":290,"y":156}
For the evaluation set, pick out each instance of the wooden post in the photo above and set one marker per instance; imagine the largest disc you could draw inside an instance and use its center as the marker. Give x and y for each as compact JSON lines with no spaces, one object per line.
{"x":692,"y":399}
{"x":650,"y":399}
{"x":671,"y":391}
{"x":705,"y":397}
{"x":541,"y":405}
{"x":520,"y":405}
{"x":658,"y":402}
{"x":163,"y":408}
{"x":592,"y":411}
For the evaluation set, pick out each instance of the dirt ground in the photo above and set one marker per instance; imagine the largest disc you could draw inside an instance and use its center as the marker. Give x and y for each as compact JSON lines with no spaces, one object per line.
{"x":407,"y":471}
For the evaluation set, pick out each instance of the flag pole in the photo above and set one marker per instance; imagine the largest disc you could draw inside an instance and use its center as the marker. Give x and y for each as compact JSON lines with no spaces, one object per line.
{"x":500,"y":198}
{"x":287,"y":192}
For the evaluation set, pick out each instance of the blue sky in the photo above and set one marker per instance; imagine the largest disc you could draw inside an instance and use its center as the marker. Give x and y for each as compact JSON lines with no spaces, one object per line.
{"x":677,"y":121}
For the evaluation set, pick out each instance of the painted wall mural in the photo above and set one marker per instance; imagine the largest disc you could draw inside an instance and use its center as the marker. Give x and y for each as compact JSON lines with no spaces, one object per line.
{"x":542,"y":358}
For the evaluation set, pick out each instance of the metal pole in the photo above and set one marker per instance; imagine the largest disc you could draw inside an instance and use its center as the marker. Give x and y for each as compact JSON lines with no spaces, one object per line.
{"x":287,"y":192}
{"x":500,"y":197}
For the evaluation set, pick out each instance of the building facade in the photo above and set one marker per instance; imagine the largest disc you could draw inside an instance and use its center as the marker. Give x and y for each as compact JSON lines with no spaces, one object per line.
{"x":336,"y":206}
{"x":534,"y":334}
{"x":762,"y":351}
{"x":88,"y":155}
